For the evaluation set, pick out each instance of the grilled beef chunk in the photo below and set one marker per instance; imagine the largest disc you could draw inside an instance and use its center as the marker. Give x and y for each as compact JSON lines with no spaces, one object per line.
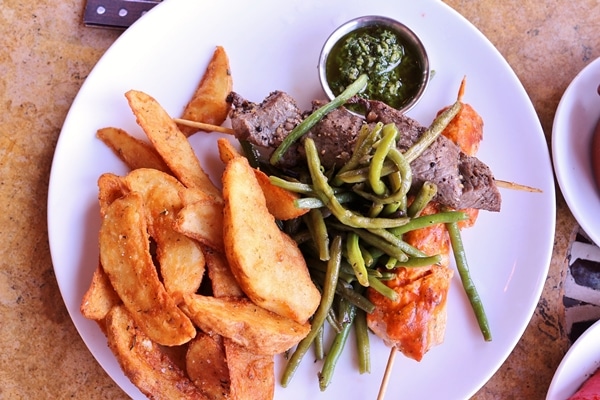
{"x":268,"y":123}
{"x":463,"y":181}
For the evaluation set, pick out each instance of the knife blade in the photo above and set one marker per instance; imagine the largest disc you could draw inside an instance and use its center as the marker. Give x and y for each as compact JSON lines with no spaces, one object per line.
{"x":117,"y":14}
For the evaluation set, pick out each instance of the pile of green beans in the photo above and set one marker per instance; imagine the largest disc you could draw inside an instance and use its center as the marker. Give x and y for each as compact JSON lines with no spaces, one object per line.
{"x":352,"y":235}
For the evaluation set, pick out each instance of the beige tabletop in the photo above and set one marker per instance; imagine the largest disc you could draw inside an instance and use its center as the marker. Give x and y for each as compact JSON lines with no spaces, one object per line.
{"x":45,"y":56}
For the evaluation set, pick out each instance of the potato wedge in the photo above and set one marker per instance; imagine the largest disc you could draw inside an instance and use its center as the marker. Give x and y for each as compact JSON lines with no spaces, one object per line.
{"x":100,"y":297}
{"x":209,"y":102}
{"x":110,"y":188}
{"x":203,"y":221}
{"x":280,"y":202}
{"x":180,"y":257}
{"x":143,"y":362}
{"x":261,"y":331}
{"x":267,"y":263}
{"x":125,"y":257}
{"x":207,"y":367}
{"x":252,"y":376}
{"x":169,"y":142}
{"x":226,"y":150}
{"x":222,"y":280}
{"x":131,"y":150}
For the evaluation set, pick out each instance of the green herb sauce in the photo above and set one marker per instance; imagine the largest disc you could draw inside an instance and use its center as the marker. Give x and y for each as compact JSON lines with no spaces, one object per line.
{"x":394,"y":70}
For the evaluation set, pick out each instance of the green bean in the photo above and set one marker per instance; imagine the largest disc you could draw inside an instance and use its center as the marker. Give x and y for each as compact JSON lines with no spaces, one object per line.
{"x":406,"y":178}
{"x":367,"y":256}
{"x":360,"y":154}
{"x":313,"y":202}
{"x":302,"y":237}
{"x":398,"y":207}
{"x":319,"y":346}
{"x":354,"y":297}
{"x":389,"y":132}
{"x":382,"y":289}
{"x":336,"y":349}
{"x":310,"y":121}
{"x":432,"y":133}
{"x":333,"y":268}
{"x":468,"y":284}
{"x":361,"y":174}
{"x":375,"y":240}
{"x":316,"y":226}
{"x":424,"y":196}
{"x":326,"y":194}
{"x":428,"y":220}
{"x":394,"y":240}
{"x":403,"y":168}
{"x":302,"y":188}
{"x":356,"y":259}
{"x":362,"y":342}
{"x":420,"y":261}
{"x":391,"y":263}
{"x":333,"y":321}
{"x":319,"y":267}
{"x":250,"y":152}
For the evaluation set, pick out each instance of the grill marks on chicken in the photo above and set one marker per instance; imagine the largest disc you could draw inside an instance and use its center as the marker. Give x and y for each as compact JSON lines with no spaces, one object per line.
{"x":463,"y":181}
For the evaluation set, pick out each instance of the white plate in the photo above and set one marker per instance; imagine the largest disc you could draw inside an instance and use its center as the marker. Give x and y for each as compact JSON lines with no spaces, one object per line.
{"x":580,"y":362}
{"x":576,"y":117}
{"x":275,"y":45}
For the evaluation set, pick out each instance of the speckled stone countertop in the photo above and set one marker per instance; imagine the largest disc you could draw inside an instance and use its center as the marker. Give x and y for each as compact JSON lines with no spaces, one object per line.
{"x":45,"y":56}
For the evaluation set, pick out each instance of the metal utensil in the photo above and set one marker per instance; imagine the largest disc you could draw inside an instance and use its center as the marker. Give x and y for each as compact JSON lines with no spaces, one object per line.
{"x":116,"y":14}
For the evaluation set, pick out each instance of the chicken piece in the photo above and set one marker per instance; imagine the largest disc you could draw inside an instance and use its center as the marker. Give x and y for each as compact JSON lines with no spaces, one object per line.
{"x":416,"y":321}
{"x":466,"y":129}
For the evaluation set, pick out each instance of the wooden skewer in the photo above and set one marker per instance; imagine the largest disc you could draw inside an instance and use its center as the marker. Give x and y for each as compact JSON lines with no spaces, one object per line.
{"x":516,"y":186}
{"x":387,"y":373}
{"x":204,"y":127}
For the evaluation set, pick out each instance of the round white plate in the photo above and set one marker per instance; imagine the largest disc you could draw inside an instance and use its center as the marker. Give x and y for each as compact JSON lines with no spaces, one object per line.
{"x":580,"y":362}
{"x":275,"y":45}
{"x":574,"y":123}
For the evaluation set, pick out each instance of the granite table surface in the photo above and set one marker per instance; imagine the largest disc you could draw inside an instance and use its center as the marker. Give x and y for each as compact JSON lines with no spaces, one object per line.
{"x":45,"y":56}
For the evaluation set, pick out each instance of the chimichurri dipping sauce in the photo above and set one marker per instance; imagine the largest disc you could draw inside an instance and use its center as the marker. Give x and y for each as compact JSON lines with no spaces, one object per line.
{"x":393,"y":67}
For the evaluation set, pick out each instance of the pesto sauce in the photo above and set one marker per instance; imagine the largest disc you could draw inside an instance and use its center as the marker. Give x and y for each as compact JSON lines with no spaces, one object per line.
{"x":392,"y":66}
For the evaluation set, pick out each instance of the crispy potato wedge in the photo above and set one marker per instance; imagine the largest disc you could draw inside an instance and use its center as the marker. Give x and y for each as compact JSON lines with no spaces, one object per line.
{"x":227,"y":151}
{"x":209,"y":102}
{"x":280,"y":202}
{"x":100,"y":297}
{"x":207,"y":367}
{"x":222,"y":280}
{"x":261,"y":331}
{"x":252,"y":376}
{"x":126,"y":259}
{"x":143,"y":362}
{"x":266,"y":262}
{"x":169,"y":142}
{"x":131,"y":150}
{"x":203,"y":221}
{"x":110,"y":188}
{"x":180,"y":257}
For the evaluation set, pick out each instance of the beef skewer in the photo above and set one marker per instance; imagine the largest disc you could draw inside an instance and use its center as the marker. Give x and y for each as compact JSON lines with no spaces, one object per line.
{"x":463,"y":181}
